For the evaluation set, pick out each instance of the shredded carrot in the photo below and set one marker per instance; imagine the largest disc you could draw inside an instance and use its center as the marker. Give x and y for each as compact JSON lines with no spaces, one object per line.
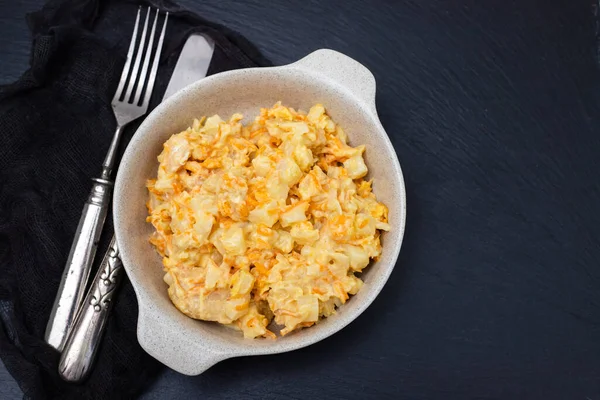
{"x":317,"y":290}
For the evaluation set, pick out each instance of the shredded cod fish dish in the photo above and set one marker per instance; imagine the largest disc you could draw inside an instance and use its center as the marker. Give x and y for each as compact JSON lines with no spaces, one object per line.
{"x":264,"y":224}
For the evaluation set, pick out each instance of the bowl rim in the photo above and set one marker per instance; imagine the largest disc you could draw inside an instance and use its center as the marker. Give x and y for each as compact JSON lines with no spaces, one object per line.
{"x":146,"y":319}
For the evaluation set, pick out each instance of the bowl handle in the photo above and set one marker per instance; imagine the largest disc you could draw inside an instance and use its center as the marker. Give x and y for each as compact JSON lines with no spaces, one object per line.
{"x":178,"y":352}
{"x":343,"y":70}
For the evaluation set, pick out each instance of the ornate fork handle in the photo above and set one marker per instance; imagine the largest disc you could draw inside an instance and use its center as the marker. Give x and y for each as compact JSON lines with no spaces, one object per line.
{"x":81,"y":346}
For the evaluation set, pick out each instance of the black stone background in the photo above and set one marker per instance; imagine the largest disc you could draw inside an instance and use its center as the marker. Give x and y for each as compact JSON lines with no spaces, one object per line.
{"x":493,"y":109}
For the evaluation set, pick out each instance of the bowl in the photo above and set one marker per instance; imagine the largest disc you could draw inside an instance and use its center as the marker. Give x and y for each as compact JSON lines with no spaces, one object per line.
{"x":347,"y":90}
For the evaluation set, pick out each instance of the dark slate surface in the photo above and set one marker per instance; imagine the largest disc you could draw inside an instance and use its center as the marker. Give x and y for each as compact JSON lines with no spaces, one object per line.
{"x":493,"y":109}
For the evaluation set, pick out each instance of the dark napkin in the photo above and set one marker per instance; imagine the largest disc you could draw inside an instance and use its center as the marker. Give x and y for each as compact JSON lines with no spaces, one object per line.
{"x":55,"y":127}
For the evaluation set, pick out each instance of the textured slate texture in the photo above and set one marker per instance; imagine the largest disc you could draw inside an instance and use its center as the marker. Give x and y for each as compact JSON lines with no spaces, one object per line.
{"x":493,"y":109}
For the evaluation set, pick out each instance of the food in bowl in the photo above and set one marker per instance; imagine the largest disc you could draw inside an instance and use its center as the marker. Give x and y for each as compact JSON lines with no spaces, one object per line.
{"x":268,"y":222}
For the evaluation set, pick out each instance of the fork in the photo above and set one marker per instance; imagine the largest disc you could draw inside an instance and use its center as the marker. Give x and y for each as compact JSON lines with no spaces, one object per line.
{"x":128,"y":104}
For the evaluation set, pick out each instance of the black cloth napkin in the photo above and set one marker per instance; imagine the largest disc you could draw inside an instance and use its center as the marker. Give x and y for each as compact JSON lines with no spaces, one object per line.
{"x":55,"y":127}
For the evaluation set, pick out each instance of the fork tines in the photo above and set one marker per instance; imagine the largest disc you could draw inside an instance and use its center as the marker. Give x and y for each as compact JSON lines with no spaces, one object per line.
{"x":133,"y":78}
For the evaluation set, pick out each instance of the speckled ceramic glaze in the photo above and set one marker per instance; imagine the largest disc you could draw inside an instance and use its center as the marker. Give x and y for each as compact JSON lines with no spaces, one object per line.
{"x":347,"y":89}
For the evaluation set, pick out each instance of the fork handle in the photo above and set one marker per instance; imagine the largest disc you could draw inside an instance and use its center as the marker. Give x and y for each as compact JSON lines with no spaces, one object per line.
{"x":79,"y":264}
{"x":83,"y":341}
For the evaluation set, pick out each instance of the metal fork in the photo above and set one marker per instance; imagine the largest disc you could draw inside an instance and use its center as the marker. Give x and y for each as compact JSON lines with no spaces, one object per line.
{"x":126,"y":107}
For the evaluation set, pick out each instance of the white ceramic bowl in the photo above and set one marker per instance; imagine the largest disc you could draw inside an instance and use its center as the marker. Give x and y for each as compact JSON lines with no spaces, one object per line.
{"x":347,"y":89}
